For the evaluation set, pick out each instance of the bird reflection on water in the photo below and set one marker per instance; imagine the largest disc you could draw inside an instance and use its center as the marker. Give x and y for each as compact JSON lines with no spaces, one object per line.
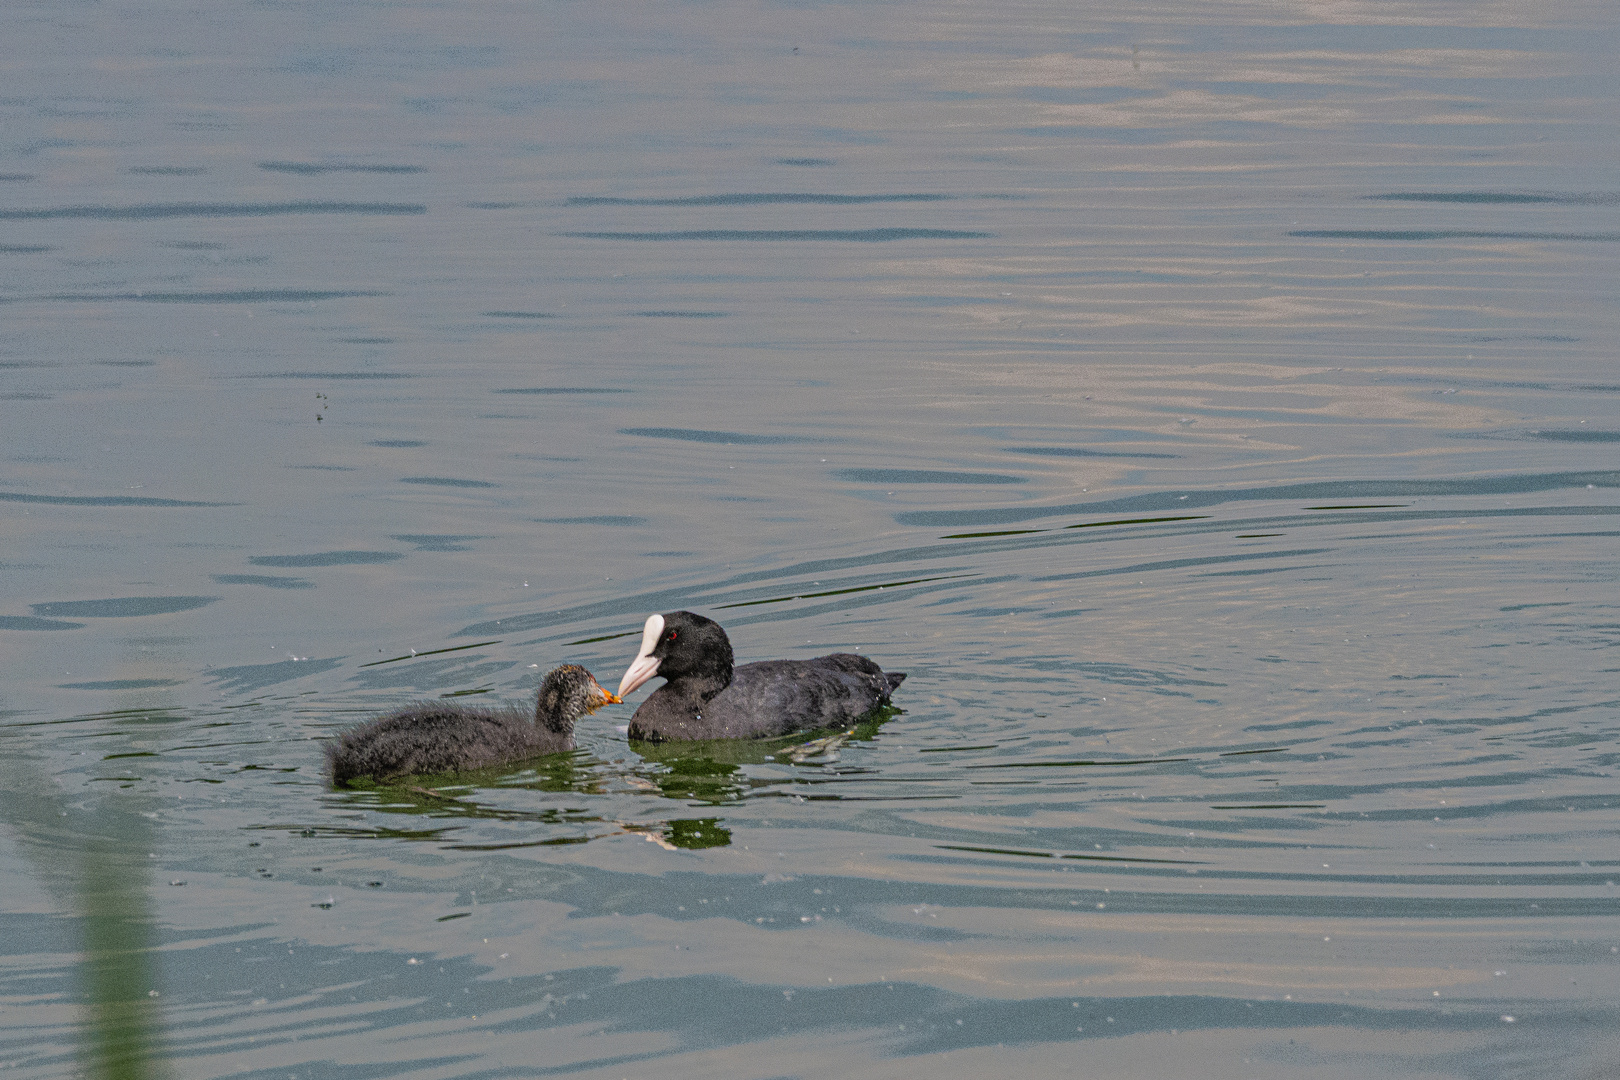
{"x":710,"y":773}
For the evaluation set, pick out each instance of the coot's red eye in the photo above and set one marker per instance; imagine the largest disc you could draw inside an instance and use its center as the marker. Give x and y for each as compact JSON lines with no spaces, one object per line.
{"x":672,"y":635}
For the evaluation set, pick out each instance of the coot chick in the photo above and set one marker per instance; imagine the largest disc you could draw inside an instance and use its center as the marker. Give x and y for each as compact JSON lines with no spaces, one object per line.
{"x":437,"y":737}
{"x":706,"y":698}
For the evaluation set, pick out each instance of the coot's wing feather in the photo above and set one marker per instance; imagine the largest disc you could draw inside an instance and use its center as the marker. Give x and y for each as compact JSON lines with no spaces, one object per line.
{"x":774,"y":697}
{"x":862,"y":665}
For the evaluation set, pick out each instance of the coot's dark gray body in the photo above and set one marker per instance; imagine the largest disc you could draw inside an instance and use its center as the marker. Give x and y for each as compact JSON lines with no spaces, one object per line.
{"x":707,"y":698}
{"x":437,"y":737}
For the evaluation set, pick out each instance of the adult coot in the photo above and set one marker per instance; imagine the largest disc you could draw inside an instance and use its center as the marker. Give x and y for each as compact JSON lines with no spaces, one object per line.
{"x":707,"y":698}
{"x":435,"y":737}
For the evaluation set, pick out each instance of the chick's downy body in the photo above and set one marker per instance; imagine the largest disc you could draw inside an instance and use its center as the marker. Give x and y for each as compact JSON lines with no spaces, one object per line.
{"x":435,"y":737}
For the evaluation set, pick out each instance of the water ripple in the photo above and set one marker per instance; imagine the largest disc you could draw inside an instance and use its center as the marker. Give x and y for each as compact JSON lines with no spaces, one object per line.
{"x":864,"y":236}
{"x":160,"y":211}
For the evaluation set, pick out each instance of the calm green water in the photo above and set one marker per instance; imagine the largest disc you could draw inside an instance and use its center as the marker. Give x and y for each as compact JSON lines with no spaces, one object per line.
{"x":1212,"y":407}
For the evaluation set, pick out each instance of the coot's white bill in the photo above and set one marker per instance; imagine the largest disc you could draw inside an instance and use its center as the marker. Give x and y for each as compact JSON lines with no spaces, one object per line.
{"x":645,"y":665}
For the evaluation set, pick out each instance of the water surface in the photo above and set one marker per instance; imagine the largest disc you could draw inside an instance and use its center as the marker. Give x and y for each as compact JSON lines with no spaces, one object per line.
{"x":1210,"y":408}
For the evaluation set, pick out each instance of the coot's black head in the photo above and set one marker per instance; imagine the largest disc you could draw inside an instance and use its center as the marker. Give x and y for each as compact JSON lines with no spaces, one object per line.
{"x":679,"y":644}
{"x":567,"y":694}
